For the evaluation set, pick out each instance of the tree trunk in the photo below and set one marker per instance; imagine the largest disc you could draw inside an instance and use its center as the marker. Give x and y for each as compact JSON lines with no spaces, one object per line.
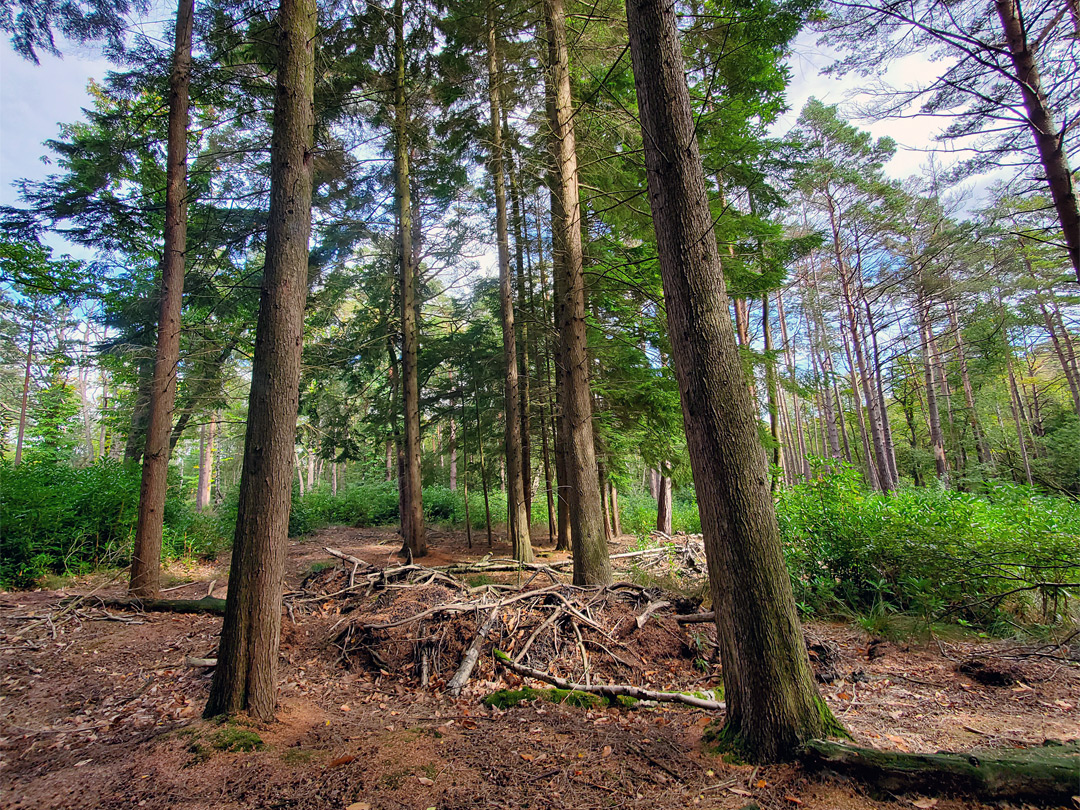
{"x":592,"y":565}
{"x":663,"y":505}
{"x":246,"y":674}
{"x":25,"y":406}
{"x":136,"y":437}
{"x":465,"y":469}
{"x":871,"y":468}
{"x":524,"y":301}
{"x":789,"y":356}
{"x":412,"y":519}
{"x":483,"y":464}
{"x":517,"y":517}
{"x":981,"y":446}
{"x":770,"y":388}
{"x":1016,"y":404}
{"x":453,"y":455}
{"x":206,"y":465}
{"x":616,"y":518}
{"x":772,"y":703}
{"x":146,"y":556}
{"x":1049,"y":140}
{"x":937,"y":439}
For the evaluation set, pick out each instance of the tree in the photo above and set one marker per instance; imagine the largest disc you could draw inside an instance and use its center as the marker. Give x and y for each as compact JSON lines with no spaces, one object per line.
{"x":146,"y":557}
{"x":246,"y":675}
{"x":31,"y":23}
{"x":518,"y":518}
{"x":592,"y":564}
{"x":772,"y":703}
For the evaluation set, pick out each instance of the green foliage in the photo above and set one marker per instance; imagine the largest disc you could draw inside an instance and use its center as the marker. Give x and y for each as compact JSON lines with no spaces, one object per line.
{"x":637,"y":511}
{"x":930,"y":552}
{"x":55,"y":518}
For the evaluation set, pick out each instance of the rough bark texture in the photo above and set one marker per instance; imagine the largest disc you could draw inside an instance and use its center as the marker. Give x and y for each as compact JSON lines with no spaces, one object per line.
{"x":518,"y":517}
{"x":663,"y":505}
{"x":1048,"y":139}
{"x":937,"y":438}
{"x":773,"y":706}
{"x":146,"y":555}
{"x":246,"y":675}
{"x":592,"y":565}
{"x":412,"y":516}
{"x":206,"y":465}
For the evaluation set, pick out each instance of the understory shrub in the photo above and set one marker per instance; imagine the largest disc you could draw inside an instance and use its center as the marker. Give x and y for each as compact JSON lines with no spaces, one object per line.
{"x":55,"y":518}
{"x":1007,"y":553}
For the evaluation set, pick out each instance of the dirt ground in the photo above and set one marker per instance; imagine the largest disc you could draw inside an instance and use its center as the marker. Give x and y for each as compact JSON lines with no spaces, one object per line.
{"x":102,"y":710}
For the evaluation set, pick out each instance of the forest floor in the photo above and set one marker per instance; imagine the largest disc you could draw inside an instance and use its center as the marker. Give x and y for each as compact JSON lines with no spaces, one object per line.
{"x":101,"y":709}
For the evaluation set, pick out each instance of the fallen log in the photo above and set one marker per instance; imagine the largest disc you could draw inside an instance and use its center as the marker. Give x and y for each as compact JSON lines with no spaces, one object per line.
{"x":1048,"y":773}
{"x":207,"y":604}
{"x":609,"y":689}
{"x":697,"y":618}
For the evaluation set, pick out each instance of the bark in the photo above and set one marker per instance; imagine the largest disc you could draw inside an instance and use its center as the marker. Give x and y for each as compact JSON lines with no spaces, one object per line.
{"x":592,"y":565}
{"x":663,"y":505}
{"x":206,"y":465}
{"x":982,"y":448}
{"x":517,"y":516}
{"x":483,"y":465}
{"x":412,"y":518}
{"x":25,"y":405}
{"x":789,"y":355}
{"x":465,"y":470}
{"x":771,"y":390}
{"x":246,"y":675}
{"x":1049,"y":140}
{"x":772,"y":703}
{"x":871,"y":468}
{"x":616,"y":518}
{"x":146,"y":555}
{"x":937,"y":439}
{"x":453,"y":455}
{"x":524,"y":298}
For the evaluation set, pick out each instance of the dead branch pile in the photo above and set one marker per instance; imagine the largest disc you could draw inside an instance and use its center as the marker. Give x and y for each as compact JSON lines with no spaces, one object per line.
{"x":440,"y":627}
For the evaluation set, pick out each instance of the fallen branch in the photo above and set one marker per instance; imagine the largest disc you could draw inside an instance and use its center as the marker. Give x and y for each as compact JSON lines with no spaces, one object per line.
{"x":468,"y":661}
{"x":341,"y":555}
{"x":609,"y":690}
{"x":205,"y":605}
{"x":697,"y":618}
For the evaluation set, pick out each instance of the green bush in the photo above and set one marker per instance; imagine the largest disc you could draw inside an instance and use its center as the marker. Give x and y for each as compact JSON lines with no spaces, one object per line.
{"x":55,"y":518}
{"x":929,"y":551}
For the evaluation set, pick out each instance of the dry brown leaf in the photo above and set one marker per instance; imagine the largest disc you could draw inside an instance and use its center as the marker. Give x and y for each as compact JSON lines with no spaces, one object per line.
{"x":761,"y":783}
{"x":345,"y":759}
{"x":789,"y":798}
{"x":423,"y":780}
{"x":924,"y":804}
{"x":606,"y":752}
{"x":740,"y":791}
{"x":359,"y":806}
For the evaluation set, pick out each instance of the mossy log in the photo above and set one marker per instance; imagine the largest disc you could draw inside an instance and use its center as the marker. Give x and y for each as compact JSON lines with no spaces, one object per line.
{"x":1048,"y":774}
{"x":205,"y":605}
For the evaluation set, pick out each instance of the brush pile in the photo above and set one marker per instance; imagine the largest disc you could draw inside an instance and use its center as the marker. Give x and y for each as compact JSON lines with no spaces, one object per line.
{"x":497,"y":621}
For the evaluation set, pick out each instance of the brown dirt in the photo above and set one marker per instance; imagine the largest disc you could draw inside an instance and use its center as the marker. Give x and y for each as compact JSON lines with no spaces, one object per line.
{"x":101,"y":713}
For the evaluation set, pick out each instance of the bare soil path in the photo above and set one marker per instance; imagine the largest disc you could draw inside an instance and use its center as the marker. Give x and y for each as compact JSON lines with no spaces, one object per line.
{"x":101,"y":710}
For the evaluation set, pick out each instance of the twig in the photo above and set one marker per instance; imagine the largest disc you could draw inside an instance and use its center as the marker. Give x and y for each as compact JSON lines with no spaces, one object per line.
{"x":468,"y":661}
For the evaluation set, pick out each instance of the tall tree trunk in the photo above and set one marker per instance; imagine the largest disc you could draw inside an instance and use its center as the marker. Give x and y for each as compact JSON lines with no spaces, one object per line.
{"x":453,"y":455}
{"x":879,"y":392}
{"x":246,"y":674}
{"x":206,"y":465}
{"x":524,"y":307}
{"x":789,"y":355}
{"x":483,"y":464}
{"x":25,"y":405}
{"x":1049,"y":140}
{"x":465,"y":468}
{"x":937,"y":439}
{"x":982,"y":448}
{"x":146,"y":556}
{"x":616,"y":518}
{"x":663,"y":504}
{"x":412,"y":518}
{"x":871,"y":468}
{"x":1016,"y":404}
{"x":517,"y":516}
{"x":770,"y":387}
{"x":772,"y":703}
{"x":299,"y":471}
{"x":592,"y":564}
